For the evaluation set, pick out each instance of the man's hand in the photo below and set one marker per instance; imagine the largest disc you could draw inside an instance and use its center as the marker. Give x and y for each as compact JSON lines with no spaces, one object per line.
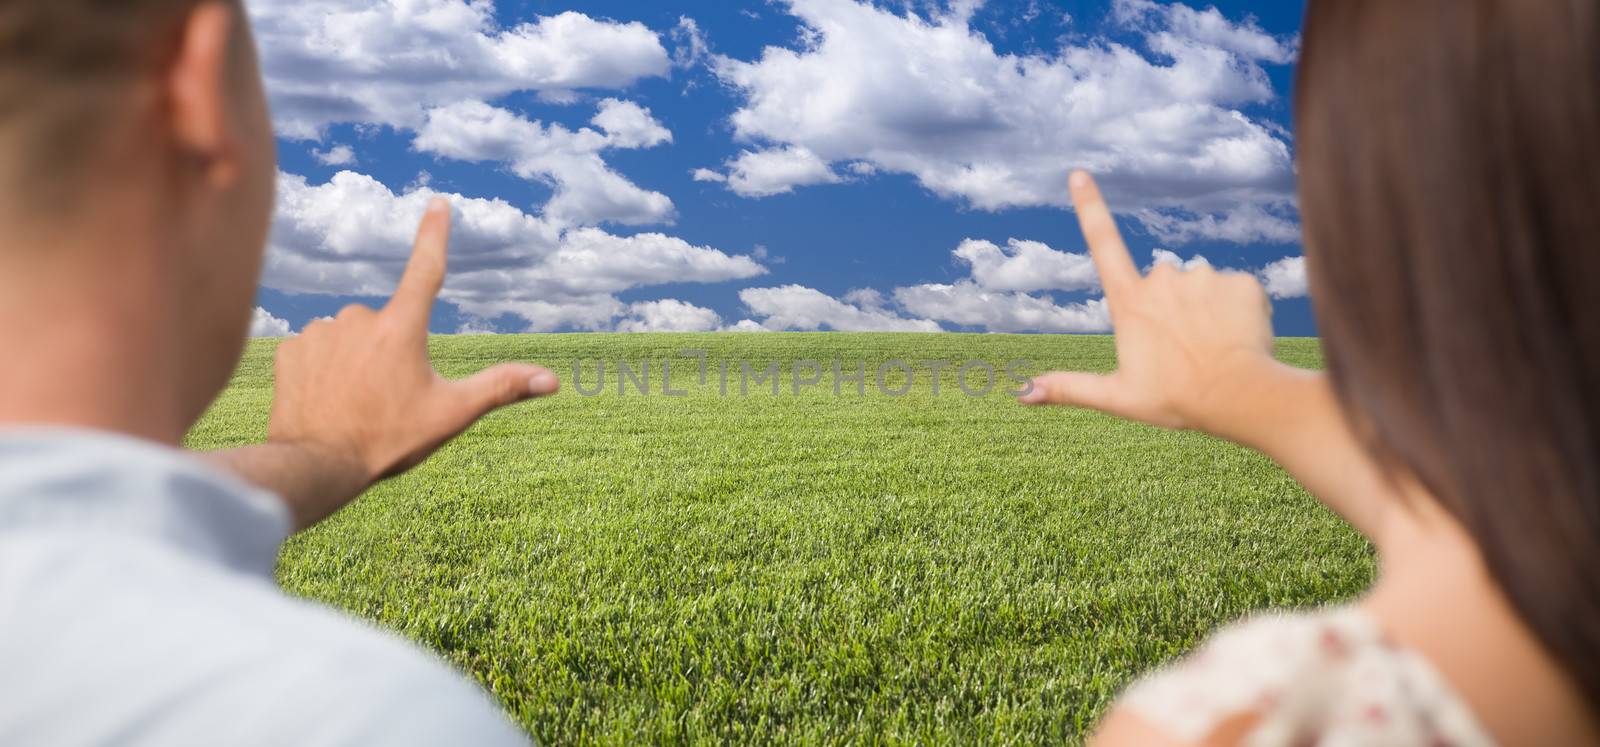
{"x":357,"y":399}
{"x":1186,"y":340}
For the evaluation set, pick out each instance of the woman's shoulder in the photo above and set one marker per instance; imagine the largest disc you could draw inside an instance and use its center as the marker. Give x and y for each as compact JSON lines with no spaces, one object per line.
{"x":1326,"y":677}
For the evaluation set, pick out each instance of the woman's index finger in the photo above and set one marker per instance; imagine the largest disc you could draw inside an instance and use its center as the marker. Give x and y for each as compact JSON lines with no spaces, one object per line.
{"x":1117,"y":271}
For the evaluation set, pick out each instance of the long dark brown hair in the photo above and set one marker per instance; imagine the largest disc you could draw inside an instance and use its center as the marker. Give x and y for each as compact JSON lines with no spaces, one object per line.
{"x":1449,"y":158}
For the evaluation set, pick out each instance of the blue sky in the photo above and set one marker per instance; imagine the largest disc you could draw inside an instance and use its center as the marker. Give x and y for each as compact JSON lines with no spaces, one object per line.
{"x":884,"y":137}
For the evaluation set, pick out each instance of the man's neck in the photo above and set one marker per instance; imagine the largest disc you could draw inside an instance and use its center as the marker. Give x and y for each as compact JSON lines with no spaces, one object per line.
{"x":89,"y":343}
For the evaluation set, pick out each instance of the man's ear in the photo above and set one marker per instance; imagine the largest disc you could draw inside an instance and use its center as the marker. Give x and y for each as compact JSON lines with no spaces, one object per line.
{"x":197,"y":88}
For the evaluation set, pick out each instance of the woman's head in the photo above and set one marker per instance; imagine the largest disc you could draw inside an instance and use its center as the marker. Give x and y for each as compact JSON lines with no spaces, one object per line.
{"x":136,"y":132}
{"x":1449,"y":159}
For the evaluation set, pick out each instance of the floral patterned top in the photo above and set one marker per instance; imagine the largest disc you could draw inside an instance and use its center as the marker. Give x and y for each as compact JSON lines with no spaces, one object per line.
{"x":1324,"y":679}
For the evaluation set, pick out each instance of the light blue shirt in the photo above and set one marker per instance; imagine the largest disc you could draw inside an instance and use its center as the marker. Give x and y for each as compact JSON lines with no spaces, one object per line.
{"x":138,"y":607}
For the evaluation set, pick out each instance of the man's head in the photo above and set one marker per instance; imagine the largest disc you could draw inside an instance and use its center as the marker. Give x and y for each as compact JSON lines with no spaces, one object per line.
{"x":135,"y":144}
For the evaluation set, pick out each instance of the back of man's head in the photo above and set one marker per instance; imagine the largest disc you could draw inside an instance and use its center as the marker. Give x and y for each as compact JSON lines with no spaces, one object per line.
{"x":136,"y":180}
{"x":65,"y":67}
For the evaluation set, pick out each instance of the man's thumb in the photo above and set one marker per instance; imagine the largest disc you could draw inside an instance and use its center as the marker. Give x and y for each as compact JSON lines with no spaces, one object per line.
{"x":505,"y":384}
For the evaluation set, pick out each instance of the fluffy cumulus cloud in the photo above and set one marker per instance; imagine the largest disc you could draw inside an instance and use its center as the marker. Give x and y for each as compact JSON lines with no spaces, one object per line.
{"x":1011,"y":290}
{"x":1207,"y":26}
{"x":429,"y":68}
{"x":746,"y":325}
{"x":796,"y":307}
{"x":1285,"y":278}
{"x":628,"y":125}
{"x":969,"y":304}
{"x":775,"y":171}
{"x":587,"y":191}
{"x":1002,"y":294}
{"x":867,"y":90}
{"x":264,"y":324}
{"x":1166,"y":257}
{"x":352,"y":236}
{"x":338,"y":155}
{"x":1163,"y":126}
{"x":669,"y":315}
{"x":1027,"y":266}
{"x":1249,"y":223}
{"x":387,"y":61}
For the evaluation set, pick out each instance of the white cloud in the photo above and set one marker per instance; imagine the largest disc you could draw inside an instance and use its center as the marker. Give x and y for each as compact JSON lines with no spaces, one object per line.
{"x":862,"y":168}
{"x":777,"y":171}
{"x":590,"y":260}
{"x":429,"y":67}
{"x":264,"y":324}
{"x":996,"y":298}
{"x":1285,"y":278}
{"x":587,"y":191}
{"x":693,"y":48}
{"x":352,"y":236}
{"x":475,"y":327}
{"x":1207,"y":26}
{"x":1244,"y":225}
{"x":707,"y":175}
{"x":1165,"y":257}
{"x":338,"y":155}
{"x":669,"y":315}
{"x":801,"y":308}
{"x":866,"y":298}
{"x":1027,"y":266}
{"x":934,"y":99}
{"x":387,"y":61}
{"x":746,"y":325}
{"x":967,"y":304}
{"x":628,"y":125}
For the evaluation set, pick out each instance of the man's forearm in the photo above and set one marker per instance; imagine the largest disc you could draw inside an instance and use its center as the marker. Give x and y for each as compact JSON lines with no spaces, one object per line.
{"x":313,"y":482}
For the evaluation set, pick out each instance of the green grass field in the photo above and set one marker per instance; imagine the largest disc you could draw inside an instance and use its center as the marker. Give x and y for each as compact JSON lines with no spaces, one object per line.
{"x":812,"y":568}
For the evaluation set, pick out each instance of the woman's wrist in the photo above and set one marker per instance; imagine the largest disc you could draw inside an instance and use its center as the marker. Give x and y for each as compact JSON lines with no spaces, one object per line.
{"x":1261,"y":403}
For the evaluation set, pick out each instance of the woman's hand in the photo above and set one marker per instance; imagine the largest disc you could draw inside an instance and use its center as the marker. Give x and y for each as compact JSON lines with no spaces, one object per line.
{"x":1194,"y":350}
{"x":1189,"y":343}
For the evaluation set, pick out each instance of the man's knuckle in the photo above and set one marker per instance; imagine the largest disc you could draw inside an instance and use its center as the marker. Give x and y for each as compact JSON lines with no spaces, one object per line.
{"x":1248,"y":286}
{"x":354,"y":312}
{"x":509,"y":389}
